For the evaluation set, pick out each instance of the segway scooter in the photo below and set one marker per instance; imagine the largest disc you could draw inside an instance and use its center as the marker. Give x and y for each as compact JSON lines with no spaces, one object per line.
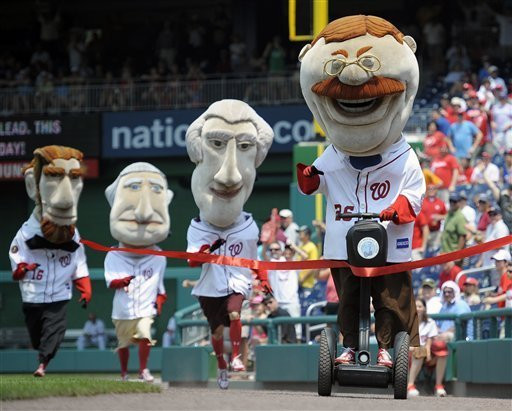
{"x":366,"y":247}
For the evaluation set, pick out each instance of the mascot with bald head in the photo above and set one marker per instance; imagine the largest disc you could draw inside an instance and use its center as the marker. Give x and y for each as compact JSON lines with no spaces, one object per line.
{"x":227,"y":143}
{"x":46,"y":254}
{"x":359,"y":77}
{"x":139,"y":219}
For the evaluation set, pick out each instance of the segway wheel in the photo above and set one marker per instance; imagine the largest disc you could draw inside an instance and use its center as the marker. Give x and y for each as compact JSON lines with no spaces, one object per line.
{"x":401,"y":365}
{"x":325,"y":366}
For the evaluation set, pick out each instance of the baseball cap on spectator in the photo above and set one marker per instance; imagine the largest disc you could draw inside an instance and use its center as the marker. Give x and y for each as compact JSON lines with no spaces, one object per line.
{"x":508,"y":152}
{"x":494,"y":211}
{"x":457,"y":101}
{"x":429,"y":282}
{"x":492,"y":69}
{"x":472,"y":281}
{"x":502,"y":255}
{"x":463,"y":195}
{"x":257,"y":299}
{"x":285,"y":213}
{"x":304,"y":228}
{"x":483,"y":198}
{"x":454,"y":197}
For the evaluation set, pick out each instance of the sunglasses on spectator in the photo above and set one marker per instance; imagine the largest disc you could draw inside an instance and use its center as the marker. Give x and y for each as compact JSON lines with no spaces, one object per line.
{"x":275,"y":249}
{"x":448,"y":292}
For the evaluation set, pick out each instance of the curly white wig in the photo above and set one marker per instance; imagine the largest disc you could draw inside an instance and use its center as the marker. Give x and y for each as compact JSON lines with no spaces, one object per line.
{"x":232,"y":112}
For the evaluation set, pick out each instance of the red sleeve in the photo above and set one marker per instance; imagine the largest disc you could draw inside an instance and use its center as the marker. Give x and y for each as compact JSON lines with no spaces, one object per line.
{"x":84,"y":286}
{"x":404,"y":209}
{"x":307,"y":185}
{"x":422,"y":219}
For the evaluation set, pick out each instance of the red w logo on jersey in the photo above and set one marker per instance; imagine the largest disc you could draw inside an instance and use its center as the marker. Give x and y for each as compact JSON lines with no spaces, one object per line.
{"x":380,"y":190}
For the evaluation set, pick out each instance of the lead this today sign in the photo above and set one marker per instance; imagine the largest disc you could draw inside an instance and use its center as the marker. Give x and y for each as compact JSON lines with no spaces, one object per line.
{"x":162,"y":133}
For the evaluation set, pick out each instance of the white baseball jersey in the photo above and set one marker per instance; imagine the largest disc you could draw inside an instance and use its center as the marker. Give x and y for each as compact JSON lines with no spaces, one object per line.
{"x":52,"y":280}
{"x":241,"y":241}
{"x":372,"y":189}
{"x":139,"y":298}
{"x":285,"y":284}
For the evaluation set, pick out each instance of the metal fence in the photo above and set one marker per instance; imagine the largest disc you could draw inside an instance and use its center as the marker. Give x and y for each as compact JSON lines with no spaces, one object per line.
{"x":164,"y":95}
{"x":147,"y":95}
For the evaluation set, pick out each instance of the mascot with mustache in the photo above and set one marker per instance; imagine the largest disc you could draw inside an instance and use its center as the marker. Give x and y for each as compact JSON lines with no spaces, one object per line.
{"x":46,"y":255}
{"x":359,"y":77}
{"x":227,"y":143}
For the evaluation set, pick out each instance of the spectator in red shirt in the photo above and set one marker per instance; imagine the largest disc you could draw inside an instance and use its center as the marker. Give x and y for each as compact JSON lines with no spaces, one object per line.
{"x":466,"y":171}
{"x":451,"y":272}
{"x":435,"y":211}
{"x":420,"y":236}
{"x":504,"y":297}
{"x":479,"y":118}
{"x":482,"y":216}
{"x":446,"y":167}
{"x":434,"y":140}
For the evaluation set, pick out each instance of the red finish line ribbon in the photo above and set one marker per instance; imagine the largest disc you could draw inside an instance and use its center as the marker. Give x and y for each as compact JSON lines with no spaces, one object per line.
{"x":311,"y":264}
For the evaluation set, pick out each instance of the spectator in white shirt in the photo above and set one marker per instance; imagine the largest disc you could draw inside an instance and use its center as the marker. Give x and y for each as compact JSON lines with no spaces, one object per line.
{"x":428,"y":293}
{"x":496,"y":229}
{"x":93,"y":334}
{"x":484,"y":166}
{"x":289,"y":226}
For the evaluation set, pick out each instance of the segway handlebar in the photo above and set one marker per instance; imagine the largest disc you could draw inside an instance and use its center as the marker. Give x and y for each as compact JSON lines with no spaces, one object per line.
{"x":358,"y":215}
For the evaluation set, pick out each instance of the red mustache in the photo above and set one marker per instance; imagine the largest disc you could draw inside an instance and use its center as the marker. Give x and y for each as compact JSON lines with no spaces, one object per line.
{"x":377,"y":86}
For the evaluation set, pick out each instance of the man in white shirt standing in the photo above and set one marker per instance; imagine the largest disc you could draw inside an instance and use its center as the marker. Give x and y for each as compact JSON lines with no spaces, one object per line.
{"x":289,"y":226}
{"x":93,"y":333}
{"x":285,"y":284}
{"x":46,"y":254}
{"x":496,"y":229}
{"x":227,"y":143}
{"x":139,"y":219}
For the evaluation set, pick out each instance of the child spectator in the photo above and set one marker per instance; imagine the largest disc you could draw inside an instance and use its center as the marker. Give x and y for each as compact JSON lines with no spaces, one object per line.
{"x":429,"y":352}
{"x":471,"y":294}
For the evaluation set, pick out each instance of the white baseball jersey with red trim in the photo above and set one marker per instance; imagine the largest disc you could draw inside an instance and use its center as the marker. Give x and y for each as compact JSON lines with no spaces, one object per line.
{"x":139,"y":298}
{"x":241,"y":241}
{"x":52,"y":280}
{"x":372,"y":189}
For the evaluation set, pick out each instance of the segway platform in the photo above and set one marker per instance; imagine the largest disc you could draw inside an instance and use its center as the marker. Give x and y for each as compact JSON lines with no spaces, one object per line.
{"x":366,"y":376}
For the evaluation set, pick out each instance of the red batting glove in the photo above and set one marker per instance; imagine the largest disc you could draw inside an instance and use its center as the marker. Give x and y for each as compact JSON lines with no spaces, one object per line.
{"x":22,"y":269}
{"x":121,"y":282}
{"x":307,"y":178}
{"x":84,"y":286}
{"x":205,"y":248}
{"x":389,"y":214}
{"x":160,"y":300}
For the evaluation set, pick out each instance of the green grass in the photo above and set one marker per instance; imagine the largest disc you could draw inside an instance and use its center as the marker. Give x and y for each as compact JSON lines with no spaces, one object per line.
{"x":16,"y":387}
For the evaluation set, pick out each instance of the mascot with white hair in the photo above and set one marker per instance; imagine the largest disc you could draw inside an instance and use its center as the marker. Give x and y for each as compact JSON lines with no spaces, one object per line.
{"x":359,"y":77}
{"x":227,"y":143}
{"x":139,"y":219}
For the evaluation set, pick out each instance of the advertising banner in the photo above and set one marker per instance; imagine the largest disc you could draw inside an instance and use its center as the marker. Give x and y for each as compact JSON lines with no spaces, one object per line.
{"x":21,"y":135}
{"x":162,"y":133}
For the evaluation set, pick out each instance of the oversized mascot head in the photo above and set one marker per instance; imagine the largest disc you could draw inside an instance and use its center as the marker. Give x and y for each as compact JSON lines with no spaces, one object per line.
{"x":359,"y":77}
{"x":227,"y":143}
{"x":140,"y":200}
{"x":53,"y":179}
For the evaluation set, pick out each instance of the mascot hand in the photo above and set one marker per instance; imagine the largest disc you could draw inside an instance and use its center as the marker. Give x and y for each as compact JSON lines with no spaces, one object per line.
{"x":311,"y":171}
{"x":22,"y":269}
{"x":308,"y":178}
{"x":121,"y":282}
{"x":389,"y":214}
{"x":205,"y":248}
{"x":262,"y":276}
{"x":84,"y":286}
{"x":160,"y":300}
